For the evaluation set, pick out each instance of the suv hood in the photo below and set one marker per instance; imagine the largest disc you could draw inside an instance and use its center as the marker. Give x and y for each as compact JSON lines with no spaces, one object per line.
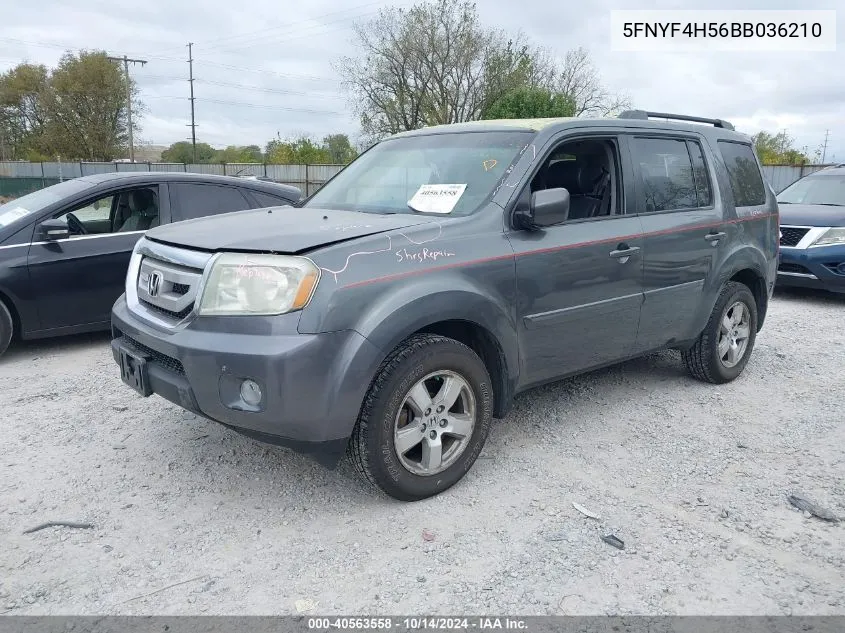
{"x":287,"y":230}
{"x":811,"y":215}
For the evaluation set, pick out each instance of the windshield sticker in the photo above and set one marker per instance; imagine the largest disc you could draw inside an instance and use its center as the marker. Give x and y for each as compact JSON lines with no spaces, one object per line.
{"x":13,"y":214}
{"x":490,"y":164}
{"x":436,"y":198}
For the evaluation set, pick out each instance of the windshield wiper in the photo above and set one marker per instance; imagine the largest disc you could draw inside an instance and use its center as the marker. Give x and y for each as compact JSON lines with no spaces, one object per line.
{"x":831,"y":204}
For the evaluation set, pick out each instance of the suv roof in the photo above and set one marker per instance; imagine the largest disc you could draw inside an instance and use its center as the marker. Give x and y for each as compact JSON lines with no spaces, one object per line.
{"x":629,"y":119}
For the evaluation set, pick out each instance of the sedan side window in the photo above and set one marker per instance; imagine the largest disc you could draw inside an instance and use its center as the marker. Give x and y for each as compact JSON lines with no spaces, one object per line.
{"x":191,"y":200}
{"x":93,"y":217}
{"x":130,"y":210}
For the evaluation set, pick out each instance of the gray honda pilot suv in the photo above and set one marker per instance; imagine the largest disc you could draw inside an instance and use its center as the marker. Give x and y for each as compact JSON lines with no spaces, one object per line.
{"x":398,"y":310}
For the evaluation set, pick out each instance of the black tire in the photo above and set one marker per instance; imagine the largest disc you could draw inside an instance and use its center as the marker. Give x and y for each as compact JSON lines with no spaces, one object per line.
{"x":7,"y":328}
{"x":703,"y":359}
{"x":371,"y":447}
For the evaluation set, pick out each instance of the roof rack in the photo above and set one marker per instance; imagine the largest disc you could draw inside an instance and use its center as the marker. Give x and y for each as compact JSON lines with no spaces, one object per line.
{"x":643,"y":115}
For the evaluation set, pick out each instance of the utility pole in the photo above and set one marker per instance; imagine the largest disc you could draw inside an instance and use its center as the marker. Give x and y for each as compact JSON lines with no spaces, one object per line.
{"x":126,"y":62}
{"x":824,"y":151}
{"x":191,"y":82}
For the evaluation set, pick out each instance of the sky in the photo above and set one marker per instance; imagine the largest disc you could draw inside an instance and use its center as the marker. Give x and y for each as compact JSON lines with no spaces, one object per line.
{"x":266,"y":68}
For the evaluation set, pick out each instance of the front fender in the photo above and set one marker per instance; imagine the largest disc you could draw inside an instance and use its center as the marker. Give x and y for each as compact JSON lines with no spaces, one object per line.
{"x":387,"y":313}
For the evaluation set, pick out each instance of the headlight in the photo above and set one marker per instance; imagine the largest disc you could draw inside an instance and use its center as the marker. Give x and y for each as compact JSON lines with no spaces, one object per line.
{"x":240,"y":284}
{"x":831,"y":237}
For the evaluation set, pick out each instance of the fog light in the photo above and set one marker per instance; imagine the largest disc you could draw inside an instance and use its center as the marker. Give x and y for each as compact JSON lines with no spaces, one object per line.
{"x":251,"y":393}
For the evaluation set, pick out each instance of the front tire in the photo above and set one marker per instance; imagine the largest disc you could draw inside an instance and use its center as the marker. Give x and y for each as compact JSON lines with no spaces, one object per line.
{"x":425,"y":418}
{"x":722,"y":350}
{"x":7,"y":328}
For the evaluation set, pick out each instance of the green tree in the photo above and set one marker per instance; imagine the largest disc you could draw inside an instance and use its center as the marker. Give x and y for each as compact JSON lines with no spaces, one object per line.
{"x":339,"y":148}
{"x":86,"y":107}
{"x":778,"y":149}
{"x":22,"y":111}
{"x":182,"y":152}
{"x":239,"y":154}
{"x":299,"y":151}
{"x":530,"y":103}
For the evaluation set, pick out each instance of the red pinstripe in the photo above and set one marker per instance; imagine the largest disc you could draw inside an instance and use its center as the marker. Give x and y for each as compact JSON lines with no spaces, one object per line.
{"x":552,"y":249}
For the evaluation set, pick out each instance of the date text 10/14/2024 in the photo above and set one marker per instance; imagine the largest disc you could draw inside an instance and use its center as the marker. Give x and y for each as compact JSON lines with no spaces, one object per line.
{"x":417,"y":623}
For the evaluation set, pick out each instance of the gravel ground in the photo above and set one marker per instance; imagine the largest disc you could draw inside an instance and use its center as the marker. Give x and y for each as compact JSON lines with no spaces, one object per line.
{"x":192,"y":518}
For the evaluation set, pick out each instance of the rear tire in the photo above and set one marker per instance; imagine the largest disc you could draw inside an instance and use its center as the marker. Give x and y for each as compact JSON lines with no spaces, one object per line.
{"x":405,"y":441}
{"x":722,"y":350}
{"x":7,"y":328}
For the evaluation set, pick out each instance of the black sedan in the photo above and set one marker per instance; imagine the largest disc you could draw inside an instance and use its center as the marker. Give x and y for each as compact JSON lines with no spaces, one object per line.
{"x":812,"y":228}
{"x":65,"y":249}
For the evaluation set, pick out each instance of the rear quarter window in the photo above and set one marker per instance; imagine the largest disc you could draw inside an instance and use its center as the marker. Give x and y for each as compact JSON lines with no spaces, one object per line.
{"x":196,"y":200}
{"x":267,"y":200}
{"x":744,"y":174}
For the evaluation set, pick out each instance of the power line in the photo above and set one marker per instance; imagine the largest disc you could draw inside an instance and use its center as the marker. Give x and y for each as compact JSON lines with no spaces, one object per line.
{"x":266,"y":106}
{"x":284,"y":38}
{"x":279,"y":91}
{"x":268,"y":72}
{"x":193,"y":120}
{"x":252,"y":34}
{"x":126,"y":62}
{"x":824,"y":151}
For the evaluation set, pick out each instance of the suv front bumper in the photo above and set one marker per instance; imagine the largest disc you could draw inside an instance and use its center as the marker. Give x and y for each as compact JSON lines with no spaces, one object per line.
{"x":821,"y":267}
{"x":312,"y":385}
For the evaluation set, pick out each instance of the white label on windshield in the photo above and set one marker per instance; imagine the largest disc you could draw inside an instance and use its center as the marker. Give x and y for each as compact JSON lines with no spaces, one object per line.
{"x":12,"y":214}
{"x":436,"y":198}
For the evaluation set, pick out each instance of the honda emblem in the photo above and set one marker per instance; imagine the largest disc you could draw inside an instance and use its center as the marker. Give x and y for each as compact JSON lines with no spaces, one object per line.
{"x":154,"y":284}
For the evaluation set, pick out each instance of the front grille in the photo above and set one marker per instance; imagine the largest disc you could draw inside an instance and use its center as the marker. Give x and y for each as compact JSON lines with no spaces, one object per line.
{"x":786,"y":267}
{"x":167,"y":289}
{"x":791,"y":235}
{"x":170,"y":313}
{"x":168,"y":362}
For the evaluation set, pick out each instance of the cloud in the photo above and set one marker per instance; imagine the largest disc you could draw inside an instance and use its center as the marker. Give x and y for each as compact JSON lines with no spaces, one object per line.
{"x":261,"y":71}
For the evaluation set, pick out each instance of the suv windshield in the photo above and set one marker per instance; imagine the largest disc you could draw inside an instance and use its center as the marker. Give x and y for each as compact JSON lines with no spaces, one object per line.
{"x":391,"y":177}
{"x":37,"y":200}
{"x":828,"y":190}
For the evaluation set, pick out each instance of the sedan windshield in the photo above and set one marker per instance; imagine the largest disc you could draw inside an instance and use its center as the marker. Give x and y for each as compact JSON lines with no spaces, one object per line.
{"x":828,"y":190}
{"x":37,"y":200}
{"x":451,"y":173}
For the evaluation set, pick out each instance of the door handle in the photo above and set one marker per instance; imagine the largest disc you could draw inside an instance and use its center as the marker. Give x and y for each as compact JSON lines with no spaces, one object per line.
{"x":624,"y":253}
{"x":714,"y":237}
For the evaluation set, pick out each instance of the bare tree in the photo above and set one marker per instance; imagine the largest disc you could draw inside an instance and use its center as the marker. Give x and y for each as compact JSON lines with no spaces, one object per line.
{"x":432,"y":64}
{"x":435,"y":63}
{"x":579,"y":79}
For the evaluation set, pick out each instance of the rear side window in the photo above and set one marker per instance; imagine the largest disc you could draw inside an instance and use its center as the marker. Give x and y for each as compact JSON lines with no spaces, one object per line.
{"x":744,"y":174}
{"x":673,"y":175}
{"x":197,"y":200}
{"x":266,"y":200}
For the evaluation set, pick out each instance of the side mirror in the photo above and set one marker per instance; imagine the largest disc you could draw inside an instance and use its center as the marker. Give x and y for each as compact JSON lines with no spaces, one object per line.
{"x":546,"y":208}
{"x":54,"y":230}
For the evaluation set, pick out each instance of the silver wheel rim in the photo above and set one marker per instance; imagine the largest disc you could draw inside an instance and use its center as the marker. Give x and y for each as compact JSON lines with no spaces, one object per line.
{"x":734,"y":333}
{"x":434,"y":424}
